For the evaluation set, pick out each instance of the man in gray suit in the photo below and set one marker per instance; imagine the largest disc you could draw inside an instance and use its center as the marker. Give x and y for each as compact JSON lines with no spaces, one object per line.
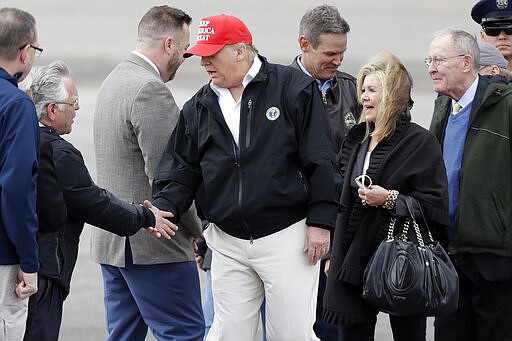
{"x":147,"y":281}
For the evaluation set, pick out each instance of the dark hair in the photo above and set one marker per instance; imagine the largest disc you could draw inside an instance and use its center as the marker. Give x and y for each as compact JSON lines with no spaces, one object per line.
{"x":17,"y":29}
{"x":160,"y":22}
{"x":322,"y":19}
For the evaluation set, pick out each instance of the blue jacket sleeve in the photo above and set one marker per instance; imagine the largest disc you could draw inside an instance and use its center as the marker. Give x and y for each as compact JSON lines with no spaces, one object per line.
{"x":19,"y":153}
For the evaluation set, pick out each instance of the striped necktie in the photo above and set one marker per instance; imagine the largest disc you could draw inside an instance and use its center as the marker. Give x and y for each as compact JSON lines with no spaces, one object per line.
{"x":456,"y":108}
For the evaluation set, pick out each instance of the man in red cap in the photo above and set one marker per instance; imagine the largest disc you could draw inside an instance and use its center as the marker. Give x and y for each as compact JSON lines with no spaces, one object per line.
{"x":252,"y":147}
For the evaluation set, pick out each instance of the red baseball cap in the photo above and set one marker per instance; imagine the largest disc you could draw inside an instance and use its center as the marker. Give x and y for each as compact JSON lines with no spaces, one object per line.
{"x":216,"y":32}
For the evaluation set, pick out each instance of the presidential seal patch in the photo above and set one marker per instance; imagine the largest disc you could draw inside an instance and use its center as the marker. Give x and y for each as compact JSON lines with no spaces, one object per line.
{"x":350,"y":120}
{"x":502,"y":4}
{"x":273,"y":113}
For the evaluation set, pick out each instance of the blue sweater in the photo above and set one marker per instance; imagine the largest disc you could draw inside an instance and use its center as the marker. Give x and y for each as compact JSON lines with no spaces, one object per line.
{"x":19,"y":154}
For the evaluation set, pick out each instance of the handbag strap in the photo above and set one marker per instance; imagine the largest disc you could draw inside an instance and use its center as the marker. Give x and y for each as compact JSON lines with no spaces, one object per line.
{"x":408,"y":202}
{"x":426,"y":225}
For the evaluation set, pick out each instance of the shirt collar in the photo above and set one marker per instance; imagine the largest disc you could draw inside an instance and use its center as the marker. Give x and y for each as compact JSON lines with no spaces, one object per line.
{"x":149,"y":61}
{"x":253,"y":71}
{"x":469,"y":95}
{"x":322,"y":86}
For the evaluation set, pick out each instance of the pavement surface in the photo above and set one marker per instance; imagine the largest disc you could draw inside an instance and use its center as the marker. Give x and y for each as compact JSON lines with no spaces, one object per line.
{"x":93,"y":36}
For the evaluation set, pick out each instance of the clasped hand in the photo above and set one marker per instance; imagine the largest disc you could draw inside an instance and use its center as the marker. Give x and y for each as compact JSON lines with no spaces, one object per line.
{"x":163,"y":226}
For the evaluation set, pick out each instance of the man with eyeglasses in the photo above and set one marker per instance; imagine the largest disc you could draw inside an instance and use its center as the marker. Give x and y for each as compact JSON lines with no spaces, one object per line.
{"x":56,"y":99}
{"x":472,"y":120}
{"x":495,"y":18}
{"x":19,"y":157}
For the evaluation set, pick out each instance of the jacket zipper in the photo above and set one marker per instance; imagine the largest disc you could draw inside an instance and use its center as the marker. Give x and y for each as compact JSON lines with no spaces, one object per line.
{"x":240,"y":188}
{"x":57,"y":258}
{"x":248,"y":124}
{"x":303,"y":182}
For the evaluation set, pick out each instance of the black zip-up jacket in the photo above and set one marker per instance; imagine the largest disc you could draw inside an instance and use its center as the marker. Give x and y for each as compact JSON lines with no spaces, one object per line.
{"x":85,"y":202}
{"x":282,"y":170}
{"x":341,"y":105}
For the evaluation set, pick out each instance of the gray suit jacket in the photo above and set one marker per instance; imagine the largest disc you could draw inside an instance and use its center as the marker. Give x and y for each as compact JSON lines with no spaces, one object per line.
{"x":134,"y":116}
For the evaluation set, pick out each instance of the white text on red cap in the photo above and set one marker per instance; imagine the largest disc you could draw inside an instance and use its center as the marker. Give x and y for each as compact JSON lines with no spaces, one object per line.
{"x":204,"y":31}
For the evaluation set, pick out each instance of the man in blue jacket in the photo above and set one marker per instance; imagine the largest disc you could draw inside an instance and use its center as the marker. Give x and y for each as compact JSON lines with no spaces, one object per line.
{"x":19,"y":145}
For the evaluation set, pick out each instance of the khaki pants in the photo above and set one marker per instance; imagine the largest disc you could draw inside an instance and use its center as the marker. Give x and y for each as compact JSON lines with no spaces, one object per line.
{"x":274,"y":267}
{"x":13,"y":310}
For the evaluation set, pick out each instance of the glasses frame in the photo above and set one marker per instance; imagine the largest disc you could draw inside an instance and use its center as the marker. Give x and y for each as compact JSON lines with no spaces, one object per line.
{"x":75,"y":103}
{"x":39,"y":50}
{"x":363,"y":181}
{"x":438,"y":61}
{"x":496,"y":31}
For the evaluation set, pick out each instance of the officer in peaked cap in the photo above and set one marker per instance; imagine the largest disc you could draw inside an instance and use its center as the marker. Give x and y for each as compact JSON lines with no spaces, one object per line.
{"x":495,"y":18}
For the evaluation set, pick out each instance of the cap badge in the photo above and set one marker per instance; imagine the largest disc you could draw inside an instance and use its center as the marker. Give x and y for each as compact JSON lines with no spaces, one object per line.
{"x":273,"y":113}
{"x":502,"y":4}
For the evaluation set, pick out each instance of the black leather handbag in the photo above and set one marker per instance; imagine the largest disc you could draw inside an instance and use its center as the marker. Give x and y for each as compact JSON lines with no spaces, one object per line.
{"x":406,"y":277}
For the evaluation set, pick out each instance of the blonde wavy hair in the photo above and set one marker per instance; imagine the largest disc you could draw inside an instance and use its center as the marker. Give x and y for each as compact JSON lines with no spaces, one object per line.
{"x":396,"y":93}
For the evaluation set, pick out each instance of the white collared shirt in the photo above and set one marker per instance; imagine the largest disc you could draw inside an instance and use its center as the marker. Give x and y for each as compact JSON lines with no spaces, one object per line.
{"x":231,"y":108}
{"x":137,"y":53}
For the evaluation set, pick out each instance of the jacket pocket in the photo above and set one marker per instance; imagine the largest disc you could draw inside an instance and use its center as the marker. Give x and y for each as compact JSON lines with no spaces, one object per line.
{"x":500,"y":212}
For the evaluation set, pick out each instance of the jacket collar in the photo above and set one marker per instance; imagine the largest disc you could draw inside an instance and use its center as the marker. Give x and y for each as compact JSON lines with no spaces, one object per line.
{"x":489,"y":91}
{"x":334,"y":80}
{"x":47,"y":129}
{"x":5,"y":75}
{"x":133,"y":58}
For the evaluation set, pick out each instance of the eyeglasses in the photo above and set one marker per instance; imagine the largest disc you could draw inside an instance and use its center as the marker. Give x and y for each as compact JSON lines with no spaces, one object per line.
{"x":495,"y":31}
{"x":75,"y":103}
{"x":438,"y":61}
{"x":363,"y":181}
{"x":38,"y":49}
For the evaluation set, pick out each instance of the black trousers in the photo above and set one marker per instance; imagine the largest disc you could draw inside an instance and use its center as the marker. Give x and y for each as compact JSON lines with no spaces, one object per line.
{"x":404,"y":328}
{"x":44,"y":312}
{"x":485,"y":307}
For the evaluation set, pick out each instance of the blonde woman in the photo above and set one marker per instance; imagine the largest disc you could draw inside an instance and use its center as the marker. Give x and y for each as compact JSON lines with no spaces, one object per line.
{"x":397,"y":158}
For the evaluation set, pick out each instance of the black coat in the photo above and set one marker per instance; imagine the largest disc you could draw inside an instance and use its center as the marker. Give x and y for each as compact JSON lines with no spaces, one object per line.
{"x":282,"y":170}
{"x":341,"y":105}
{"x":51,"y":209}
{"x":85,"y":203}
{"x":411,"y":162}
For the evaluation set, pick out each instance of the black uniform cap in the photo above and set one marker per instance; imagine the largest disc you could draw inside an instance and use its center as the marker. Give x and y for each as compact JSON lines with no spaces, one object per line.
{"x":492,"y":12}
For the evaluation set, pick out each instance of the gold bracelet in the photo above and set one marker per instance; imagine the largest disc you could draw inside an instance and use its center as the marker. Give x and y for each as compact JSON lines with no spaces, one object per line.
{"x":391,"y":199}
